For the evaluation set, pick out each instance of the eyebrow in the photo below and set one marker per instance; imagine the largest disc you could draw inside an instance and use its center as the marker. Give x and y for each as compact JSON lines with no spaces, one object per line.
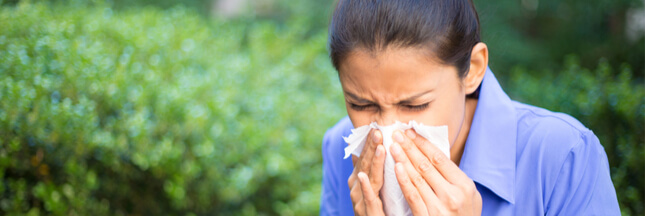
{"x":404,"y":101}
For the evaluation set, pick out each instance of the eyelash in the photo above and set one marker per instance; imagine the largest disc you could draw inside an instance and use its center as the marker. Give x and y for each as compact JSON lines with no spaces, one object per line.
{"x":360,"y":107}
{"x":417,"y":107}
{"x":409,"y":107}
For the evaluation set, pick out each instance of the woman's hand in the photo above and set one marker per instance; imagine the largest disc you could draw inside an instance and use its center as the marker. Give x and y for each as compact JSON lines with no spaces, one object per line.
{"x":365,"y":191}
{"x":431,"y":183}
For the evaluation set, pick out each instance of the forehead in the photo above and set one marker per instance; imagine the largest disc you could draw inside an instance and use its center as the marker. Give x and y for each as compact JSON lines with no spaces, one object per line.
{"x":393,"y":72}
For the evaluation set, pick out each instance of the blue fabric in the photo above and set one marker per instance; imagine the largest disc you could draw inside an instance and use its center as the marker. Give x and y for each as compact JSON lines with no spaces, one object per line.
{"x":524,"y":160}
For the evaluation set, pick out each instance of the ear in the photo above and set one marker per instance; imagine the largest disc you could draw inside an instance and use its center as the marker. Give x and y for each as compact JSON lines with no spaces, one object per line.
{"x":478,"y":65}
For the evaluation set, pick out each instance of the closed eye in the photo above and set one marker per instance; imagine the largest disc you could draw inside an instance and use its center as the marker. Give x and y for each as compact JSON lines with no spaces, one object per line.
{"x":416,"y":107}
{"x":361,"y":107}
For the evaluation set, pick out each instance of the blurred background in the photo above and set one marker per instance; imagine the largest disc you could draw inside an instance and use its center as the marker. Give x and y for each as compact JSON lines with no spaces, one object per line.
{"x":218,"y":107}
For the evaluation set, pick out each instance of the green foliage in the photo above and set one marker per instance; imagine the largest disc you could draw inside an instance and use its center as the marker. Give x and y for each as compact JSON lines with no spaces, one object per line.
{"x":531,"y":33}
{"x":152,"y":112}
{"x":612,"y":106}
{"x":149,"y":111}
{"x":540,"y":33}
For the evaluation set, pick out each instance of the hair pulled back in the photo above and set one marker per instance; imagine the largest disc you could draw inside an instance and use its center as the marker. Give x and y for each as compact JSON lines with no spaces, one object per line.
{"x":449,"y":29}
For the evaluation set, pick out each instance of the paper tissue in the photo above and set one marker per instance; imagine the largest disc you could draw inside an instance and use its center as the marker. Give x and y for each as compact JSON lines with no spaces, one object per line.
{"x":394,"y":202}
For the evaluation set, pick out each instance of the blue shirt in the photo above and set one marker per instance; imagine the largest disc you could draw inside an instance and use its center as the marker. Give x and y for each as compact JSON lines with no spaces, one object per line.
{"x":524,"y":160}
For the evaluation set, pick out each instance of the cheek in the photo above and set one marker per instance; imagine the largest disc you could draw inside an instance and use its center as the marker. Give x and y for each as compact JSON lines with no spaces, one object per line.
{"x":448,"y":110}
{"x":446,"y":113}
{"x":456,"y":121}
{"x":456,"y":118}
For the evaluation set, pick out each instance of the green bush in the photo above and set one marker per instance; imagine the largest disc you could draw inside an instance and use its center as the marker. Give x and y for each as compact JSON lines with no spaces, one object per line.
{"x":531,"y":33}
{"x":153,"y":112}
{"x":540,"y":33}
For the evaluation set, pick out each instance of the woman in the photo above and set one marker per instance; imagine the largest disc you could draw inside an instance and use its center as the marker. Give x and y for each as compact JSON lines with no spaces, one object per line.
{"x":402,"y":60}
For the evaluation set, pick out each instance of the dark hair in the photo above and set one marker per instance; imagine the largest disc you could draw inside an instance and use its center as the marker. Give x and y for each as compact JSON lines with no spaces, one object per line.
{"x":448,"y":28}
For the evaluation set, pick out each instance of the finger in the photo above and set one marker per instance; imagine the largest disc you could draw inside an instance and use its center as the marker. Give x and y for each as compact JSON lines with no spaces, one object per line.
{"x":421,"y":164}
{"x":370,"y":147}
{"x":420,"y":182}
{"x":406,"y":144}
{"x":352,"y":178}
{"x":357,"y":161}
{"x":398,"y":154}
{"x":355,"y":192}
{"x":401,"y":159}
{"x":449,"y":170}
{"x":410,"y":192}
{"x":359,"y":207}
{"x":372,"y":202}
{"x":376,"y":174}
{"x":428,"y":194}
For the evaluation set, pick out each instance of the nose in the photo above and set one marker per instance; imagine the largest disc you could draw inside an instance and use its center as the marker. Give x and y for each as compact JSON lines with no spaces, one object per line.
{"x":387,"y":117}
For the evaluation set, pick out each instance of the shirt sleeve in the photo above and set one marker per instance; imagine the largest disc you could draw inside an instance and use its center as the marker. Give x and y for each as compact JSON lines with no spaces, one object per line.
{"x":329,"y":196}
{"x":583,"y":185}
{"x":335,"y":199}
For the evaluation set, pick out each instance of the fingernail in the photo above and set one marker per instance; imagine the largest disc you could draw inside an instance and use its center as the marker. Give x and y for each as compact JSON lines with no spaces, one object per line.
{"x":399,"y":167}
{"x":362,"y":176}
{"x":379,"y":150}
{"x":395,"y":148}
{"x":411,"y":134}
{"x":401,"y":176}
{"x":398,"y":137}
{"x":377,"y":136}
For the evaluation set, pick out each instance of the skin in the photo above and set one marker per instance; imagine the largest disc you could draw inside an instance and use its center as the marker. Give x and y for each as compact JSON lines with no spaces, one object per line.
{"x":408,"y":84}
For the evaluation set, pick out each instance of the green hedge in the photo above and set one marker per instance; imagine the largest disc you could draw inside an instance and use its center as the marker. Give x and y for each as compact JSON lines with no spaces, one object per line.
{"x":152,"y":112}
{"x":155,"y":112}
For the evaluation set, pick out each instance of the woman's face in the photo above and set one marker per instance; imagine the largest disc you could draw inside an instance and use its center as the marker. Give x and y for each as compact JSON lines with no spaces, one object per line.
{"x":402,"y":84}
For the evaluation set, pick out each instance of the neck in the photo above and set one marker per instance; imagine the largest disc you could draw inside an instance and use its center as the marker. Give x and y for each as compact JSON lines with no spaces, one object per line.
{"x":457,"y":150}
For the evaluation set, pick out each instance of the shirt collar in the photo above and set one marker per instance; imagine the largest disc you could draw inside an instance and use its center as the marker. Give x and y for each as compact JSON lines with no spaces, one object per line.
{"x":489,"y":154}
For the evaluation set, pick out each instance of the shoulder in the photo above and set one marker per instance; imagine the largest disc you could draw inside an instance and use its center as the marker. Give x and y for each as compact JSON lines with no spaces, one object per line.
{"x":571,"y":164}
{"x":537,"y":125}
{"x":551,"y":138}
{"x":335,"y":198}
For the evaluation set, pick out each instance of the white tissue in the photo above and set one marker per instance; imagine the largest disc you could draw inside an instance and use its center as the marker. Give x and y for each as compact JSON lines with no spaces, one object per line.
{"x":394,"y":202}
